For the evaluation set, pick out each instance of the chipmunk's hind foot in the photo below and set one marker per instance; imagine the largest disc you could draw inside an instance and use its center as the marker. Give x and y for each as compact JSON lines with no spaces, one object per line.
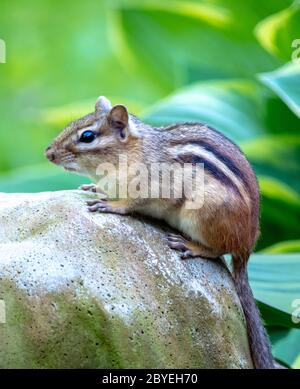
{"x":189,"y":249}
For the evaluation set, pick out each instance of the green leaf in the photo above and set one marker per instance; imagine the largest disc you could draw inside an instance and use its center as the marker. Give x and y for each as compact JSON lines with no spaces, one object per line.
{"x":296,"y":364}
{"x":275,"y":282}
{"x":244,"y":110}
{"x":215,"y":15}
{"x":41,"y":178}
{"x":277,"y":157}
{"x":62,"y":115}
{"x":285,"y":344}
{"x":274,"y":189}
{"x":287,"y":246}
{"x":277,"y":32}
{"x":285,"y":82}
{"x":182,"y":42}
{"x":233,"y":107}
{"x":280,"y":212}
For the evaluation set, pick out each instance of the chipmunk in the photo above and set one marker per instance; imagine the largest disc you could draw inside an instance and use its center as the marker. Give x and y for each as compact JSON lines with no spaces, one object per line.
{"x":227,"y":222}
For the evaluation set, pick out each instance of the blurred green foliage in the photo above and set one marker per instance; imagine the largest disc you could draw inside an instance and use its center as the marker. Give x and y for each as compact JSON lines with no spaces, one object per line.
{"x":224,"y":62}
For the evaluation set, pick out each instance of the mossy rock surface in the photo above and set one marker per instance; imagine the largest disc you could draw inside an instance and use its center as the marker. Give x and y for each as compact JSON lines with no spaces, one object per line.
{"x":85,"y":290}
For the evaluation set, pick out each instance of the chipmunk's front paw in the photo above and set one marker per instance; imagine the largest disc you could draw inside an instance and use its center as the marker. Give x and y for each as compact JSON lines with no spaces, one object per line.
{"x":102,"y":205}
{"x":99,"y":206}
{"x":88,"y":188}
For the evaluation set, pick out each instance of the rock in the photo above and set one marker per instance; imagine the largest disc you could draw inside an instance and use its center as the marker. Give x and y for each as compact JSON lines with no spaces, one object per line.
{"x":83,"y":290}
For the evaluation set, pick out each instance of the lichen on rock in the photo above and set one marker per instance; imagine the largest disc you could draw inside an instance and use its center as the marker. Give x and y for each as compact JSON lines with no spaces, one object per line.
{"x":85,"y":290}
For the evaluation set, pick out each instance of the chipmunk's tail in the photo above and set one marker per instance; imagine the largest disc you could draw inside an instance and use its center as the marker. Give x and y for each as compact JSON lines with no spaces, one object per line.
{"x":258,"y":338}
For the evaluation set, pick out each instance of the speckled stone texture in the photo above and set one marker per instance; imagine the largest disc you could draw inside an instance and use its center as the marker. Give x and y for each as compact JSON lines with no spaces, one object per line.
{"x":85,"y":290}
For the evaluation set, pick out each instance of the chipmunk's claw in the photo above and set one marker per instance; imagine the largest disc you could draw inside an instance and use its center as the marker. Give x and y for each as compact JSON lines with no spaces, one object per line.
{"x":88,"y":188}
{"x":99,"y":206}
{"x":187,"y":254}
{"x":177,"y":242}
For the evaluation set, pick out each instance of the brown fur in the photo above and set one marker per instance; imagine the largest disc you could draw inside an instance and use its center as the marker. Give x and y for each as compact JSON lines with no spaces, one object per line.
{"x":228,"y":221}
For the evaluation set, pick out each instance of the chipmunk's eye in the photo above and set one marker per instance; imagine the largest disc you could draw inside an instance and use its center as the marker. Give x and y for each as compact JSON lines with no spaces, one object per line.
{"x":87,"y":137}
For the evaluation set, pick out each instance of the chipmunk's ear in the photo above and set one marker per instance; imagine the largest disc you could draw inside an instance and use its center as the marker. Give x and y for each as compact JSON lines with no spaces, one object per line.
{"x":118,"y":118}
{"x":102,"y":104}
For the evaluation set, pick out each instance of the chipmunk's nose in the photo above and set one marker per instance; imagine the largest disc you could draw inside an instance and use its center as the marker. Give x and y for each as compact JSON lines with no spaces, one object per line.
{"x":49,"y":153}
